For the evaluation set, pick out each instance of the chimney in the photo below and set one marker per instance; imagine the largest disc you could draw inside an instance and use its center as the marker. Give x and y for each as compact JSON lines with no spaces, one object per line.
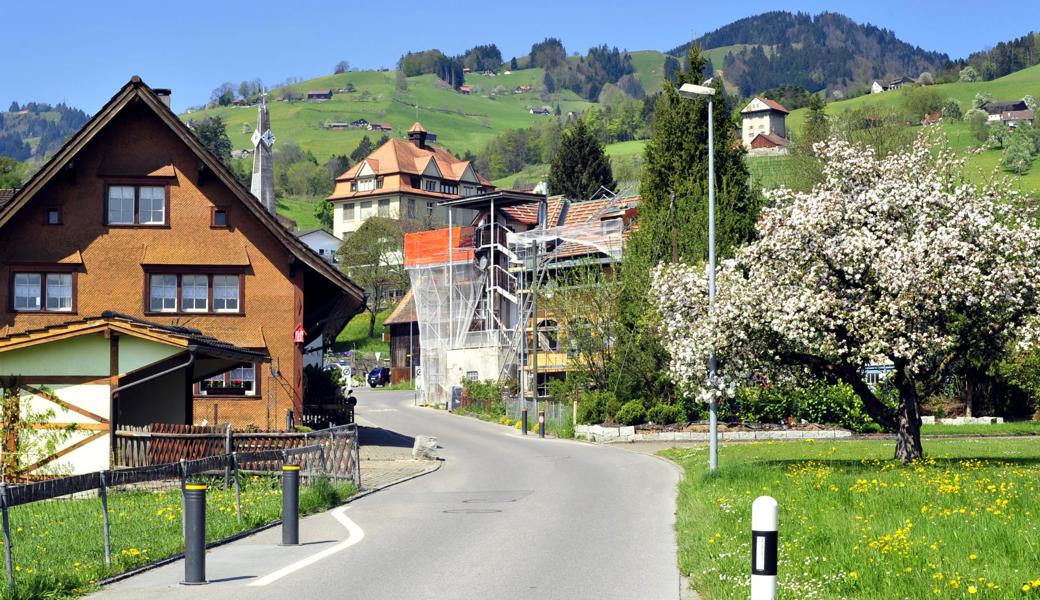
{"x":417,"y":135}
{"x":164,"y":95}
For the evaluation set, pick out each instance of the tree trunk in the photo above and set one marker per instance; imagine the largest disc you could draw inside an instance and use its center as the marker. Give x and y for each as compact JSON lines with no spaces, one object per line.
{"x":908,"y":419}
{"x":371,"y":323}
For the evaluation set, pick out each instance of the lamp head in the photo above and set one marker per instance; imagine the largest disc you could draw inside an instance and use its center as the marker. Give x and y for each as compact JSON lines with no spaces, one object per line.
{"x":693,"y":91}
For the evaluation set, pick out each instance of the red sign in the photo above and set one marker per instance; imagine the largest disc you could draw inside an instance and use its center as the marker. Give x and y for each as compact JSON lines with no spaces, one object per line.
{"x":298,"y":334}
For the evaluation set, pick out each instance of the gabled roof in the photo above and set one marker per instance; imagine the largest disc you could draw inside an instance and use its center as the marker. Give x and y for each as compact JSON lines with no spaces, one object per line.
{"x":417,"y":128}
{"x":137,"y":90}
{"x":404,"y":312}
{"x":6,"y":194}
{"x":770,"y":139}
{"x":772,"y":104}
{"x":188,"y":338}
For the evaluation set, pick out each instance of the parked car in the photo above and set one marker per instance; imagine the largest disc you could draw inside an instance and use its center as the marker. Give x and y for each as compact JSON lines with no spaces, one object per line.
{"x":379,"y":376}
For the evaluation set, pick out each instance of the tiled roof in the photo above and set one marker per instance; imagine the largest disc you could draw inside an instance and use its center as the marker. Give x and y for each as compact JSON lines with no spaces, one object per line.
{"x":417,"y":128}
{"x":773,"y":104}
{"x":772,"y":139}
{"x":6,"y":194}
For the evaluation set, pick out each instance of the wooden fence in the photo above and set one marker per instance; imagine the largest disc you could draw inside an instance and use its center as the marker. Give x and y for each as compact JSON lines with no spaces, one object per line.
{"x":163,"y":443}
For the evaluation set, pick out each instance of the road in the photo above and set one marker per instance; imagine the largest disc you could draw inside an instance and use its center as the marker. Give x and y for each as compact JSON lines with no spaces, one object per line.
{"x":505,"y":517}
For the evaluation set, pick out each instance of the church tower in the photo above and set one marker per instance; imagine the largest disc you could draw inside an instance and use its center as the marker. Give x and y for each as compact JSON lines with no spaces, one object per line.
{"x":262,"y":185}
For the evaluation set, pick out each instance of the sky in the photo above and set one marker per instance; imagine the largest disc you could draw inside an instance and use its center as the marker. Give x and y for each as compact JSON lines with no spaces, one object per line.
{"x":81,"y":52}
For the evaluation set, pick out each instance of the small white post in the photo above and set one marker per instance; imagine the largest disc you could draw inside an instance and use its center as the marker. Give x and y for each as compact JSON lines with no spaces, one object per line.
{"x":763,"y":548}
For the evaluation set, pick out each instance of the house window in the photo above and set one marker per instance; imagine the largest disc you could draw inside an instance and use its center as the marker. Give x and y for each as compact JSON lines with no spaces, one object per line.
{"x":450,"y":188}
{"x":353,"y":186}
{"x":430,"y":185}
{"x":163,"y":294}
{"x":194,"y":293}
{"x":366,"y":209}
{"x":411,"y":208}
{"x":220,"y":218}
{"x":429,"y":208}
{"x":225,"y":293}
{"x":383,"y":209}
{"x":366,"y":185}
{"x":54,"y":216}
{"x":240,"y":381}
{"x":136,"y":205}
{"x":379,"y":183}
{"x":415,"y":181}
{"x":49,"y":292}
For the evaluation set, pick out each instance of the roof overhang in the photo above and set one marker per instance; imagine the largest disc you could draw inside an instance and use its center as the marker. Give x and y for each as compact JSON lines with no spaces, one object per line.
{"x":501,"y":198}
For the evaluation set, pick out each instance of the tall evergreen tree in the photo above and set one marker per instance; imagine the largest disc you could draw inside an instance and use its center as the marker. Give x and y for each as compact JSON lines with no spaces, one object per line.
{"x":212,"y":133}
{"x":673,"y":216}
{"x":580,"y":168}
{"x":816,"y":126}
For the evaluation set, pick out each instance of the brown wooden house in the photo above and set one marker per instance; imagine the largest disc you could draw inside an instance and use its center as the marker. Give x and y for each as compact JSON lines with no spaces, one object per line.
{"x":134,"y":215}
{"x":404,"y":339}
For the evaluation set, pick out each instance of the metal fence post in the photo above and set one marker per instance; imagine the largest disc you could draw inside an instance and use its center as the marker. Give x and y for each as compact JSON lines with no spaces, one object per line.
{"x":184,"y":480}
{"x":238,"y":488}
{"x":357,"y":459}
{"x":8,"y":558}
{"x":227,"y":450}
{"x":541,"y":423}
{"x":103,"y":493}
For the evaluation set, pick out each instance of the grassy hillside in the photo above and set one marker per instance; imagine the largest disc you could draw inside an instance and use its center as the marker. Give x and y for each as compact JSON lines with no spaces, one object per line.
{"x":649,"y":66}
{"x":462,"y":122}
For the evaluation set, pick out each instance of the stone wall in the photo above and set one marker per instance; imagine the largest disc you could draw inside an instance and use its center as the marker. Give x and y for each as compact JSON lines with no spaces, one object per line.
{"x":600,"y":433}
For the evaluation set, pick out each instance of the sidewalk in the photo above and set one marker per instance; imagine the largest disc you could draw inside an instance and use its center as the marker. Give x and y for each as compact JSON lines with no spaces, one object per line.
{"x":386,"y":458}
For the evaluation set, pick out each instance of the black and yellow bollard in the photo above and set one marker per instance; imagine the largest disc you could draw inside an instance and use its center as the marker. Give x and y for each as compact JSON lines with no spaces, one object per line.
{"x":194,"y":534}
{"x":523,"y":419}
{"x":290,"y":505}
{"x":541,"y":423}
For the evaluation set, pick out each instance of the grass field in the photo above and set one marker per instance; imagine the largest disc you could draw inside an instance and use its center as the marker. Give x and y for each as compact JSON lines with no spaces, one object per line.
{"x":355,"y":335}
{"x":1014,"y":428}
{"x":856,"y":524}
{"x":57,"y":544}
{"x":300,"y":210}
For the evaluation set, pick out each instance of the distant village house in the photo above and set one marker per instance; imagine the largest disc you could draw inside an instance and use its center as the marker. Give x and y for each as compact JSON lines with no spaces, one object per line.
{"x":319,"y":95}
{"x":763,"y":127}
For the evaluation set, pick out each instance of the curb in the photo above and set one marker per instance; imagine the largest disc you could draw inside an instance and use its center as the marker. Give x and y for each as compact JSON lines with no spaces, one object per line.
{"x":244,"y":534}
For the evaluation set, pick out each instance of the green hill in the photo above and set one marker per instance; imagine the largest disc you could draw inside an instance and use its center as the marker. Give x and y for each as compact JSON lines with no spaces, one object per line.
{"x":461,"y":122}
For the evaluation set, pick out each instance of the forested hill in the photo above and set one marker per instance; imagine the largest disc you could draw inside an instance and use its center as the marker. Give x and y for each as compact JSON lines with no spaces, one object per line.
{"x":35,"y":129}
{"x":827,"y":51}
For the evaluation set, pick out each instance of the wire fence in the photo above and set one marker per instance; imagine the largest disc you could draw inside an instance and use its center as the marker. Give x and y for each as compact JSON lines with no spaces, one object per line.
{"x":558,"y":413}
{"x":63,"y":535}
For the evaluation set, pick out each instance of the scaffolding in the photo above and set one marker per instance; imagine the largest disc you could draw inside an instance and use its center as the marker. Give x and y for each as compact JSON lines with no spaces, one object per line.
{"x":476,"y":291}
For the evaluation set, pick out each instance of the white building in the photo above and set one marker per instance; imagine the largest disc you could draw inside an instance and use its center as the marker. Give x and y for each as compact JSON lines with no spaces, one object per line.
{"x":322,"y":242}
{"x":764,"y":127}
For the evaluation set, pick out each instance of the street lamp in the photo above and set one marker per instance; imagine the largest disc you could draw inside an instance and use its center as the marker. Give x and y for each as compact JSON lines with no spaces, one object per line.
{"x":692,"y":92}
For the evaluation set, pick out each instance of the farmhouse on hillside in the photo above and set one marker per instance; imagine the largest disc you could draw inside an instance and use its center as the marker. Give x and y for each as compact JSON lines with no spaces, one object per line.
{"x":162,"y":272}
{"x":403,"y":179}
{"x":319,"y":95}
{"x":883,"y":86}
{"x":763,"y":127}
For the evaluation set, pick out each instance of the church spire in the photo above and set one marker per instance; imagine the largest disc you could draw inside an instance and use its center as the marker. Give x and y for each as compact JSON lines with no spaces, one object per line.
{"x":262,"y":185}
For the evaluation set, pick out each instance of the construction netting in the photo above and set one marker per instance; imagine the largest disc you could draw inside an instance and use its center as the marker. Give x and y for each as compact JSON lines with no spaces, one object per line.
{"x":473,"y":294}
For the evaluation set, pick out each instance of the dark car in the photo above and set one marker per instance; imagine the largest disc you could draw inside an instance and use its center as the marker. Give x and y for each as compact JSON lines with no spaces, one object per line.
{"x":379,"y":376}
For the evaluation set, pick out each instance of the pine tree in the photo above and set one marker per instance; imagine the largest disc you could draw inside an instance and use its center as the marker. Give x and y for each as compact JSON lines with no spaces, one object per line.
{"x":580,"y":168}
{"x":673,"y":216}
{"x":816,"y":127}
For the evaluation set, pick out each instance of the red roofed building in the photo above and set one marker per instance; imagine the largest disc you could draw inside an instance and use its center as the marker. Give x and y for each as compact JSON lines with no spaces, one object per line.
{"x":403,"y":179}
{"x":763,"y":116}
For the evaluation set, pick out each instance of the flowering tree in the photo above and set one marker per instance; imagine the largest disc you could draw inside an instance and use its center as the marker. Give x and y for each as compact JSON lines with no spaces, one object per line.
{"x":887,"y":260}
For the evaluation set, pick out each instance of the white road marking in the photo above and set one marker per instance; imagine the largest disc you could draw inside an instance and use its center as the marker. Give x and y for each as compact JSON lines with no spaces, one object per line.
{"x":356,"y":535}
{"x":381,"y":410}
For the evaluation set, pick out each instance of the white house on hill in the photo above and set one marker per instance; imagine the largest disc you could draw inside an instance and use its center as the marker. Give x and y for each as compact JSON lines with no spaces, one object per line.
{"x":764,"y":127}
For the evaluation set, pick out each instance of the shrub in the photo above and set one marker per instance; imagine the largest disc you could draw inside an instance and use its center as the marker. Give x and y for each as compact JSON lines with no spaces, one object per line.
{"x":321,"y":386}
{"x":484,"y":397}
{"x":664,"y":414}
{"x":818,"y":402}
{"x":597,"y":407}
{"x":631,"y":413}
{"x":951,"y":109}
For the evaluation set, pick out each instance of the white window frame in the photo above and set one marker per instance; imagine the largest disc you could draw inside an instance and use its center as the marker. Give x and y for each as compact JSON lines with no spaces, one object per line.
{"x":165,"y":286}
{"x":151,"y":214}
{"x":191,"y":281}
{"x":23,"y":289}
{"x":226,"y":291}
{"x":63,"y":282}
{"x":349,"y":213}
{"x":118,"y":215}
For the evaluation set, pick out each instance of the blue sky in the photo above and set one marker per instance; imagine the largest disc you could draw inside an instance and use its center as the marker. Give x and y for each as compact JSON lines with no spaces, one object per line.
{"x":83,"y":51}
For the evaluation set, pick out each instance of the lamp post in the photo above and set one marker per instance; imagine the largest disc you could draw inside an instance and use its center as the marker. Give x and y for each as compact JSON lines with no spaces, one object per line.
{"x":692,"y":92}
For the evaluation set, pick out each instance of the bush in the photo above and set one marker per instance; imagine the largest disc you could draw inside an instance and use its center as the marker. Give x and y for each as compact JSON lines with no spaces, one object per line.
{"x":951,"y":109}
{"x":664,"y":414}
{"x":597,"y":407}
{"x":819,"y":403}
{"x":631,"y":413}
{"x":321,"y":386}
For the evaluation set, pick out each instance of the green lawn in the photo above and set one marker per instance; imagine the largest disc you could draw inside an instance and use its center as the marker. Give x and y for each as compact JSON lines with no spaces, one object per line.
{"x":355,"y":335}
{"x":649,"y":66}
{"x":58,"y":545}
{"x":856,"y":524}
{"x":300,"y":210}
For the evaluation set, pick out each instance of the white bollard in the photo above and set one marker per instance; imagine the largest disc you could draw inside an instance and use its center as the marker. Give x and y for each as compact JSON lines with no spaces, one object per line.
{"x":763,"y":548}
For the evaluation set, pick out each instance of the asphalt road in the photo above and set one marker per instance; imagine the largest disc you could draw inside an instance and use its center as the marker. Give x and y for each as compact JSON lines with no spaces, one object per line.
{"x":505,"y":517}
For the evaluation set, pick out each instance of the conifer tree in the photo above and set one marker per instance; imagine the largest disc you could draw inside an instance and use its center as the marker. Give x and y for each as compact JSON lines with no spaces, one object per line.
{"x":673,"y":215}
{"x":580,"y":168}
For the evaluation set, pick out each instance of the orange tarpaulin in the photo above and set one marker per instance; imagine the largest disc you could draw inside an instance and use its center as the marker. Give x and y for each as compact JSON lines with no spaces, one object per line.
{"x":439,"y":246}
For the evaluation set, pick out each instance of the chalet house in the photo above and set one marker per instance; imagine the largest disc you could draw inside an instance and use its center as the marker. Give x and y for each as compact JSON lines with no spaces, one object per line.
{"x":404,"y":339}
{"x":763,"y":127}
{"x":405,"y":180}
{"x":883,"y":86}
{"x":322,"y":242}
{"x":995,"y":109}
{"x":1012,"y":118}
{"x":380,"y":127}
{"x":319,"y":95}
{"x":151,"y":240}
{"x":522,"y":89}
{"x":359,"y":123}
{"x":540,"y":110}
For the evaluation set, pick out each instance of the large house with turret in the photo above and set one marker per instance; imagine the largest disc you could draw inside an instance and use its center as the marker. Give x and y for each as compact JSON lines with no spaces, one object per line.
{"x":404,"y":179}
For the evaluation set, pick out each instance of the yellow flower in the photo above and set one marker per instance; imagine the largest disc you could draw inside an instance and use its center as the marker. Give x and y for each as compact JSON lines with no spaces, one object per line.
{"x":853,"y":575}
{"x":1025,"y":587}
{"x":972,"y":589}
{"x":972,"y":556}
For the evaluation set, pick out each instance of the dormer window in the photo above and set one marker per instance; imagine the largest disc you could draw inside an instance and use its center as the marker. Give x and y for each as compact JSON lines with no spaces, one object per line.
{"x":366,"y":185}
{"x":450,"y":188}
{"x":430,"y":185}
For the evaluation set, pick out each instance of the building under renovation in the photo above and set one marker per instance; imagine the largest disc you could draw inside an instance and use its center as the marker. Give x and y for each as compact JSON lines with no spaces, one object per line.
{"x":474,"y":284}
